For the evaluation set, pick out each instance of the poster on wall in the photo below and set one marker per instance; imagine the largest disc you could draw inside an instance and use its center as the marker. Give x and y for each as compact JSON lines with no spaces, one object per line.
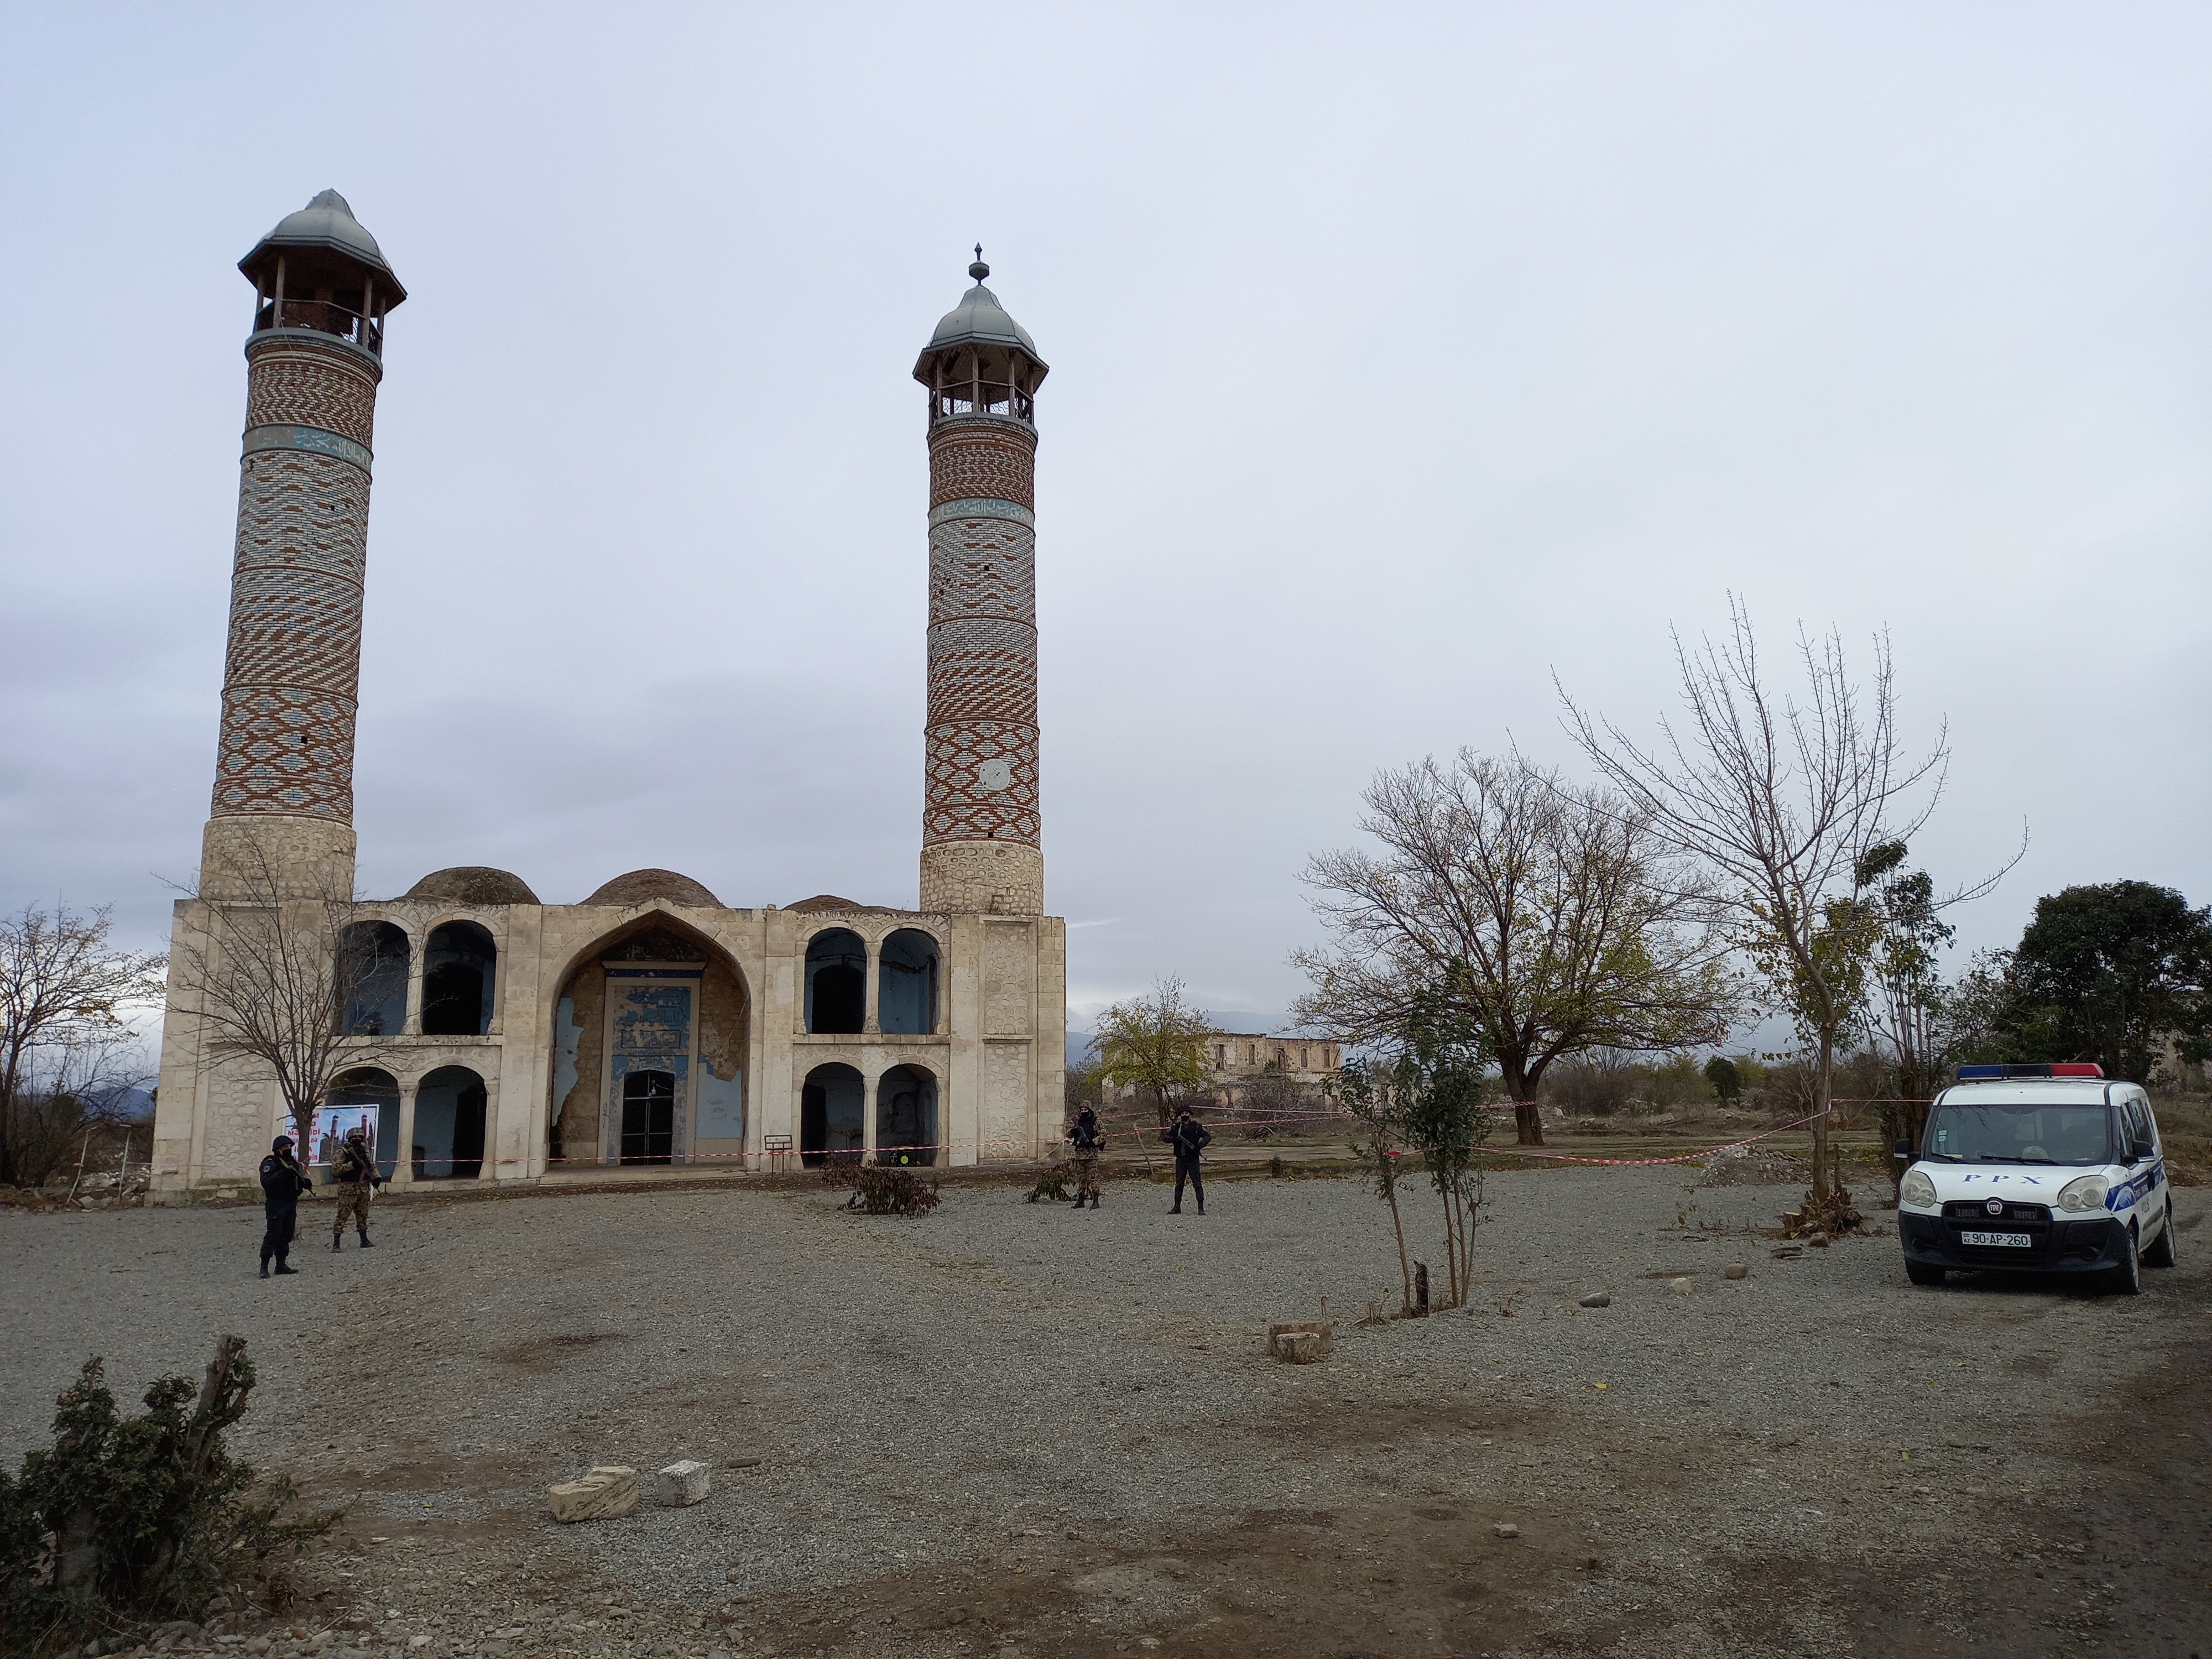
{"x":333,"y":1124}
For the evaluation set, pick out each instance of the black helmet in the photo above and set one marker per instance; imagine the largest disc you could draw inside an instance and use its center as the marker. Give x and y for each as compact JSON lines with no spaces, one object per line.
{"x":282,"y":1144}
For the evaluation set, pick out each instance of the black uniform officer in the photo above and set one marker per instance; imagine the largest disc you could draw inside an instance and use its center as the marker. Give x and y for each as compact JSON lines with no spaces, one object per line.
{"x":1189,"y":1137}
{"x":282,"y":1181}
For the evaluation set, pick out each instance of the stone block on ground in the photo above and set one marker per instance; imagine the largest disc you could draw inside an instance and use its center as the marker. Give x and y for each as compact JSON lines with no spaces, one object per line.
{"x":608,"y":1492}
{"x":681,"y":1484}
{"x":1595,"y":1299}
{"x":1736,"y":1270}
{"x":1302,"y":1341}
{"x":1680,"y":1287}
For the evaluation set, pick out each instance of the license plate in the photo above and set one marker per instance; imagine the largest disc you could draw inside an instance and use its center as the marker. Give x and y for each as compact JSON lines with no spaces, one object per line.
{"x":2023,"y":1241}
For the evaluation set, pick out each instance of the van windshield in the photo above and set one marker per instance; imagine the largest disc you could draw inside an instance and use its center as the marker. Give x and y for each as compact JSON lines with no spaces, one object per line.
{"x":2020,"y":1133}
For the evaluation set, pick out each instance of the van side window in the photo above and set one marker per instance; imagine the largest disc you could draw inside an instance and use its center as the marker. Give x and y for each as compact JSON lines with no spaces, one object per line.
{"x":2144,"y":1129}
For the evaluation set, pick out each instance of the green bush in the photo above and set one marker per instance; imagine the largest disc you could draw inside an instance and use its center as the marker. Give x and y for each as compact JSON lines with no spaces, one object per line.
{"x":128,"y":1520}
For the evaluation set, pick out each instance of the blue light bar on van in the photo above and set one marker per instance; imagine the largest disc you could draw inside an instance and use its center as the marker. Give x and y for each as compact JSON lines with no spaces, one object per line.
{"x":2069,"y":1068}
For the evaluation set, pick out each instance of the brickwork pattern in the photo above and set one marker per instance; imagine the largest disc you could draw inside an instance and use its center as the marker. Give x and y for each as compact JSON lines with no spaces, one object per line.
{"x":301,"y":386}
{"x":982,"y":568}
{"x":981,"y":778}
{"x":983,"y":460}
{"x":293,"y":665}
{"x":982,"y":668}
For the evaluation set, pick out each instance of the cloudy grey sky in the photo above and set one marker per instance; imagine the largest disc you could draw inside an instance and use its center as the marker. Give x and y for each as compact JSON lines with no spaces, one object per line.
{"x":1402,"y":357}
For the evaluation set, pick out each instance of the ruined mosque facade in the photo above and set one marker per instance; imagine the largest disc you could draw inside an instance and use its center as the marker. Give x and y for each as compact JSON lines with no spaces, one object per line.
{"x":489,"y":1036}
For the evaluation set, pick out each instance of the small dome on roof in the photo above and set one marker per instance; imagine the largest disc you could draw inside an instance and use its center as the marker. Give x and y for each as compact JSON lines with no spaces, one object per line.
{"x":643,"y":886}
{"x":827,"y":903}
{"x":473,"y":884}
{"x":325,"y":223}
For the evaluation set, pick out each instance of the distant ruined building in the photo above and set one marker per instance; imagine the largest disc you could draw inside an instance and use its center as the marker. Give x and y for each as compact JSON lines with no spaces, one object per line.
{"x":493,"y":1037}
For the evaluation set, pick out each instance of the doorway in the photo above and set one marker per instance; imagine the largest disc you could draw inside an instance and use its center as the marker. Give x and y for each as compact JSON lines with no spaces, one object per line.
{"x":648,"y":1117}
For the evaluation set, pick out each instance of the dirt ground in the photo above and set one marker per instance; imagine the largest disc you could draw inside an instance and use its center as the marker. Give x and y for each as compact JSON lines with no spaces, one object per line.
{"x":1005,"y":1429}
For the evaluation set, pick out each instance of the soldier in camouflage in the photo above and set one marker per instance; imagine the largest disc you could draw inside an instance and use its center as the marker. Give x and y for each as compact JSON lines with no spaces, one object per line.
{"x":358,"y":1180}
{"x":1087,"y":1138}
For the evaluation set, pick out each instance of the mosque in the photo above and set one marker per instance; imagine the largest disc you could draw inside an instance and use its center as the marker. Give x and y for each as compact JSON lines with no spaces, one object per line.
{"x":489,"y":1036}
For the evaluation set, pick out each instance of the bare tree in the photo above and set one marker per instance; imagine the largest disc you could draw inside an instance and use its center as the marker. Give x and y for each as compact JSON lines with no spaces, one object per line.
{"x":73,"y":1095}
{"x":62,"y":989}
{"x":1156,"y":1044}
{"x":1554,"y":917}
{"x":1782,"y":801}
{"x":269,"y":977}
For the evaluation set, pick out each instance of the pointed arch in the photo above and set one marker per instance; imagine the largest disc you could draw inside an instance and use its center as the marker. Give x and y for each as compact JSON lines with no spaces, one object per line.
{"x":650,"y":1025}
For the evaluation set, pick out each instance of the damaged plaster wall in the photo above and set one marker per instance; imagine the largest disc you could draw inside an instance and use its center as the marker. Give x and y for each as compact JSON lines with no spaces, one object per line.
{"x":722,"y":1024}
{"x":580,"y":1036}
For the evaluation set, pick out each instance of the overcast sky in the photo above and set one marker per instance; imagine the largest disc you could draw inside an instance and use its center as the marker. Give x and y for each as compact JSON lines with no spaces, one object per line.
{"x":1402,"y":358}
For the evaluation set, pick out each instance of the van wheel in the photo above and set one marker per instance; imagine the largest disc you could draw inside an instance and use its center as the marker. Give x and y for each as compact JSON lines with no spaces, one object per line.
{"x":1919,"y":1274}
{"x":2160,"y":1254}
{"x":2127,"y":1278}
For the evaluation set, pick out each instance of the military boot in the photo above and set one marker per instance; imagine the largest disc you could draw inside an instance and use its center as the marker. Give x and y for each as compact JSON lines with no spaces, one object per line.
{"x":1094,"y":1201}
{"x":364,"y":1241}
{"x":264,"y":1270}
{"x":337,"y":1240}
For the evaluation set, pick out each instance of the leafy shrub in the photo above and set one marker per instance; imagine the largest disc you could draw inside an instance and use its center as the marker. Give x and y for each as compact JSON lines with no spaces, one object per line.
{"x":882,"y":1189}
{"x":127,"y":1520}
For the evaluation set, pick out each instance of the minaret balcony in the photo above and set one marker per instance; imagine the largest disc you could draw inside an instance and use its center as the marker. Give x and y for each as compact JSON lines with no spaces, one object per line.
{"x":323,"y":317}
{"x":972,"y":397}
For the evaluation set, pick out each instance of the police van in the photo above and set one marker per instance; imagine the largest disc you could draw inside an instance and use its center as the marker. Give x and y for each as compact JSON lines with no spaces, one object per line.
{"x":2037,"y":1169}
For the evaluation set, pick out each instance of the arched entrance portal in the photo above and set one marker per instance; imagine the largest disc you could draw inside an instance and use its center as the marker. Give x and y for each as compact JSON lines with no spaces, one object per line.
{"x":836,"y":982}
{"x":906,"y":1116}
{"x":449,"y":1126}
{"x":364,"y":1099}
{"x":649,"y":1051}
{"x":832,"y":1109}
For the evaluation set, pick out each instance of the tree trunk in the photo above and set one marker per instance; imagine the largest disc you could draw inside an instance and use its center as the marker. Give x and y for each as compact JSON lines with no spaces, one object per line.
{"x":1527,"y":1122}
{"x":1398,"y":1226}
{"x":1824,"y":1082}
{"x":1451,"y":1255}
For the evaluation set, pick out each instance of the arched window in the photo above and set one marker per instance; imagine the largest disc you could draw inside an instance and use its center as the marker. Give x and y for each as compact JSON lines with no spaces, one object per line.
{"x":449,"y":1126}
{"x":365,"y":1097}
{"x":906,"y":994}
{"x":831,"y":1107}
{"x":369,"y":985}
{"x":836,"y":982}
{"x":459,"y":966}
{"x":648,"y":1117}
{"x":906,"y":1116}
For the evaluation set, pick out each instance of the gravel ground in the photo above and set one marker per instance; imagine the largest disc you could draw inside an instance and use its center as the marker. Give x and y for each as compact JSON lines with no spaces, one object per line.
{"x":1010,"y":1428}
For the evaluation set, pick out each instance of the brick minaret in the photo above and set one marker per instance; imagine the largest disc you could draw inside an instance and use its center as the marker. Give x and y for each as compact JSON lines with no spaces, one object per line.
{"x":979,"y":826}
{"x":284,"y":781}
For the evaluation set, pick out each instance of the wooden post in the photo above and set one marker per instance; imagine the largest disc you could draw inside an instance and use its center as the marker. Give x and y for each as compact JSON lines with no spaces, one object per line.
{"x":368,"y":310}
{"x":277,"y":317}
